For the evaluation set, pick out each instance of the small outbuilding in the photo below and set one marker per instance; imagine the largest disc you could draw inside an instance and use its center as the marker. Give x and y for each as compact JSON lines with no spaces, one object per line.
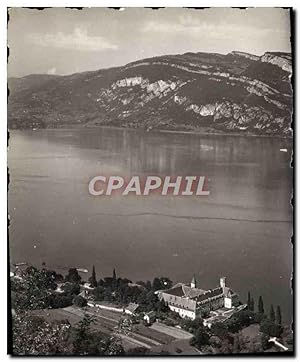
{"x":150,"y":317}
{"x":131,"y":309}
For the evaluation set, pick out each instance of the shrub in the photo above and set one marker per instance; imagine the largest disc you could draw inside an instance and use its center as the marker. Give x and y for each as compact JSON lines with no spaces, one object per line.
{"x":270,"y":328}
{"x":79,"y":301}
{"x":201,"y":338}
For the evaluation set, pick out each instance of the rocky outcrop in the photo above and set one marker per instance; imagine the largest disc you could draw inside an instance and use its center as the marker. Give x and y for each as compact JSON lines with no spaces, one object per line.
{"x":157,"y":87}
{"x":283,"y":61}
{"x":246,"y":55}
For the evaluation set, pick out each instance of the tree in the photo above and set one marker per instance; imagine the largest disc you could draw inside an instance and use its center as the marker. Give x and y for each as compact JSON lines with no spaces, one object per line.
{"x":148,"y":285}
{"x":161,"y":306}
{"x":249,"y":301}
{"x":191,"y":325}
{"x":114,"y":275}
{"x":73,"y":276}
{"x":270,"y":328}
{"x":99,"y":293}
{"x":272,"y":313}
{"x":93,"y":279}
{"x":251,"y":304}
{"x":71,"y":289}
{"x":59,"y":300}
{"x":81,"y":335}
{"x":239,"y":320}
{"x":79,"y":301}
{"x":219,"y":329}
{"x":108,"y":282}
{"x":33,"y":290}
{"x":261,"y":305}
{"x":45,"y":279}
{"x":112,"y":347}
{"x":278,"y":315}
{"x":86,"y":342}
{"x":161,"y":283}
{"x":156,"y":284}
{"x":53,"y":276}
{"x":201,"y":338}
{"x":34,"y":336}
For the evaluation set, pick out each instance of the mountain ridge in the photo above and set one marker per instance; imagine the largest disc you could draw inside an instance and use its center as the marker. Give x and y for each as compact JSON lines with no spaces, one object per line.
{"x":236,"y":92}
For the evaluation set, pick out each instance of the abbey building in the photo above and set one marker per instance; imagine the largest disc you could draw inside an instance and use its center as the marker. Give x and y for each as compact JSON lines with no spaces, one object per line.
{"x":190,"y":301}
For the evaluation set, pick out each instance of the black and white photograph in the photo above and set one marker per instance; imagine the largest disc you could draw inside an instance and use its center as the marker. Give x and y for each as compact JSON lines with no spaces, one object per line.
{"x":150,"y":181}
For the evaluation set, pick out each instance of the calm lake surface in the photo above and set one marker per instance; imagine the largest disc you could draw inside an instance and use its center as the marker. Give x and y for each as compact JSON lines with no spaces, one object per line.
{"x":242,"y":230}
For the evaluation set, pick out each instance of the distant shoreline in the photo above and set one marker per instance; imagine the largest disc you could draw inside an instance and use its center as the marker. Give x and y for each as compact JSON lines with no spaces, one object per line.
{"x":194,"y":132}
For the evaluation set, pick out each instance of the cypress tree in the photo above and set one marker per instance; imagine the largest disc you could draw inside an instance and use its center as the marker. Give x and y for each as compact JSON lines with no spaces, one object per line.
{"x":261,"y":305}
{"x":278,"y":315}
{"x":93,"y":279}
{"x":272,"y":313}
{"x":249,"y":301}
{"x":114,"y":275}
{"x":252,"y":305}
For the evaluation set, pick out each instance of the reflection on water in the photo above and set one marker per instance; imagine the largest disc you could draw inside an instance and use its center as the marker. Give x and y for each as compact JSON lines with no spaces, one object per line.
{"x":249,"y":179}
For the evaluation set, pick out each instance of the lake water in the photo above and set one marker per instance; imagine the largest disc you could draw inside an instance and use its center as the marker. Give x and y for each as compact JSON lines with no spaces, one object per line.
{"x":242,"y":230}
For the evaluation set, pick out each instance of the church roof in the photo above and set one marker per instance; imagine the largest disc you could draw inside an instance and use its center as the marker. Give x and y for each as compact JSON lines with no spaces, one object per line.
{"x":180,"y":301}
{"x":176,"y":290}
{"x":210,"y":294}
{"x":184,"y":291}
{"x":192,"y":292}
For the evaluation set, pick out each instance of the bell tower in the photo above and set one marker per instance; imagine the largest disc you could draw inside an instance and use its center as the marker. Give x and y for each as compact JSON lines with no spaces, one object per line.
{"x":223,"y":282}
{"x":193,"y":282}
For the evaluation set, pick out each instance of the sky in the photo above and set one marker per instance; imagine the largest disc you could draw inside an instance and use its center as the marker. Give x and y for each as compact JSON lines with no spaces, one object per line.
{"x":65,"y":41}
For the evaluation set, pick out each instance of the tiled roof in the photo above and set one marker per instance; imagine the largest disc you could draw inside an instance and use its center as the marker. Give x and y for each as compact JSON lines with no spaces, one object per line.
{"x":192,"y":292}
{"x":183,"y":290}
{"x":132,"y":307}
{"x":210,"y":294}
{"x":177,"y":290}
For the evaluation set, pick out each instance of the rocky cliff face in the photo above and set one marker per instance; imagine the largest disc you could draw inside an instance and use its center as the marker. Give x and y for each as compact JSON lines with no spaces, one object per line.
{"x":282,"y":60}
{"x":237,"y":92}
